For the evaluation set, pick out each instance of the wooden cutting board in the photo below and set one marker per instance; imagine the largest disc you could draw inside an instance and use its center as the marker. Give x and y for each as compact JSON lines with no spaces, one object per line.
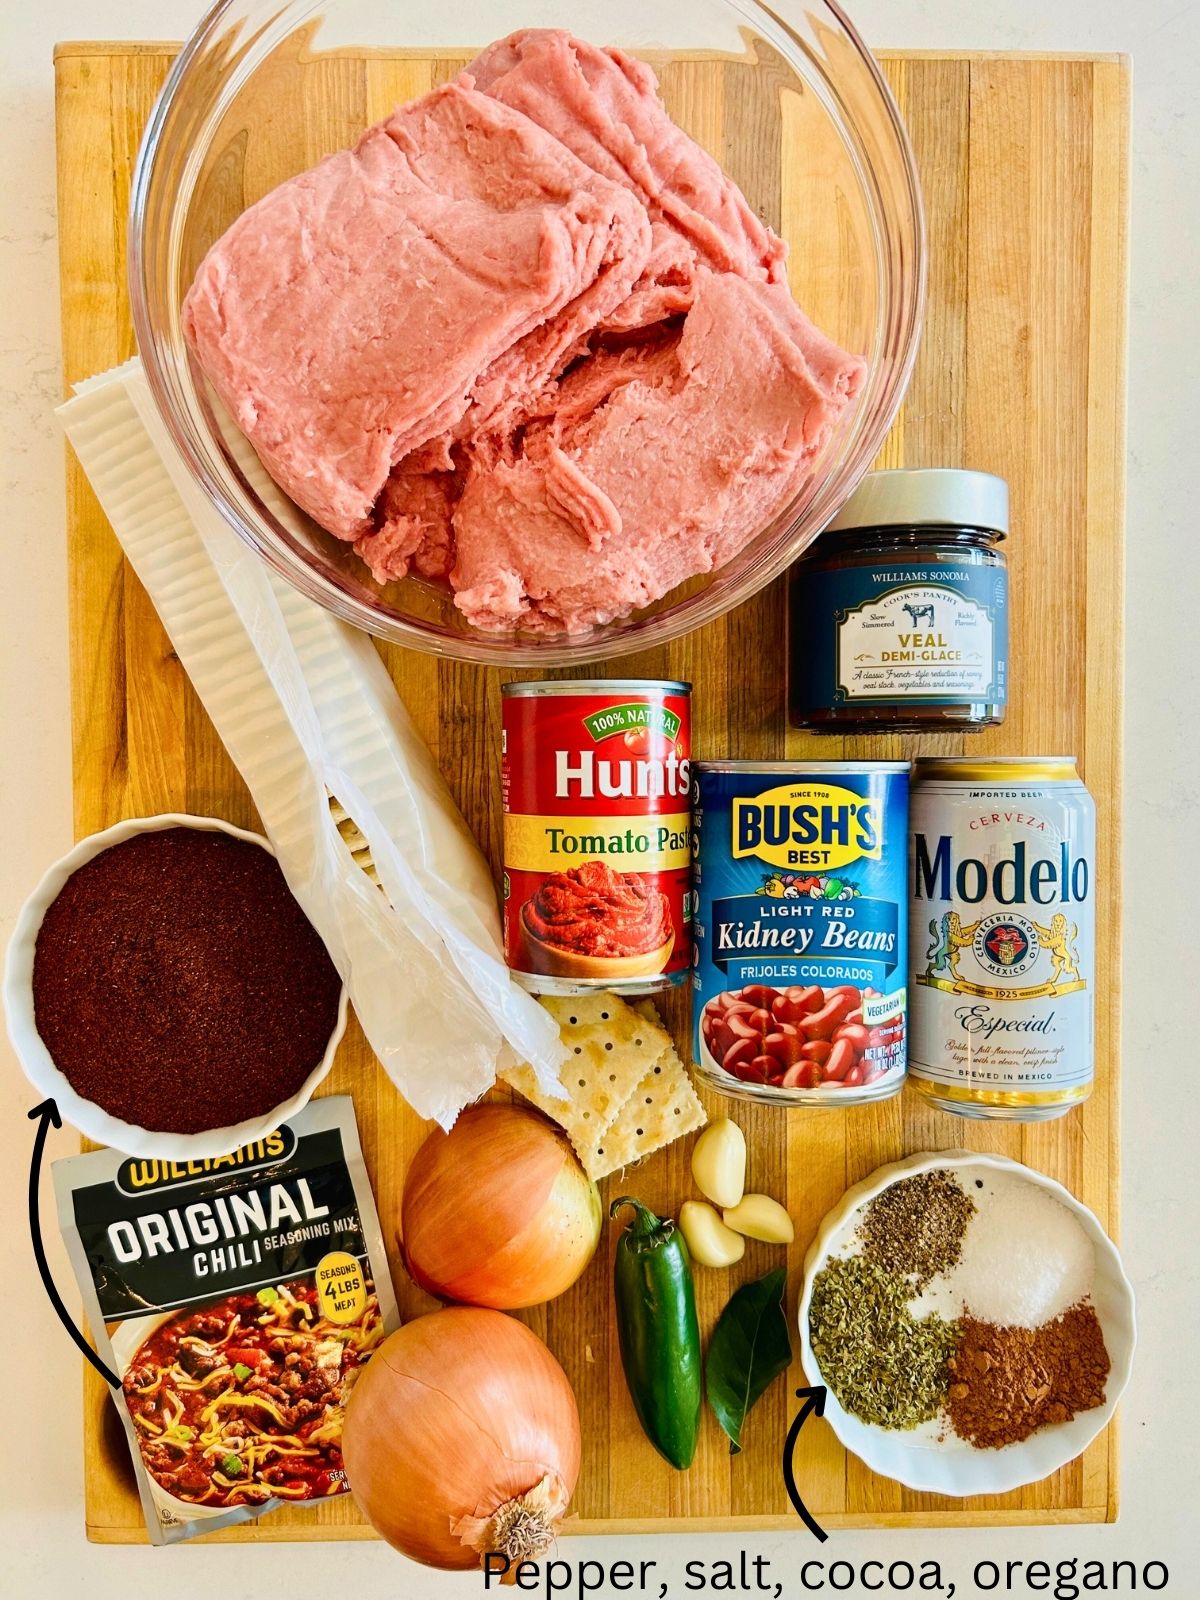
{"x":1023,"y":160}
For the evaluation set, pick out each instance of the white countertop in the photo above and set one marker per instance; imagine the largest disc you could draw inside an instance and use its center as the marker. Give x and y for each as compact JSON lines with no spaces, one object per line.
{"x":41,"y":1508}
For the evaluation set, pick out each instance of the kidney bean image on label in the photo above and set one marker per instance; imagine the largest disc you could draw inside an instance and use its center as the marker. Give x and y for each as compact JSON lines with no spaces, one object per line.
{"x":597,"y":835}
{"x":801,"y":930}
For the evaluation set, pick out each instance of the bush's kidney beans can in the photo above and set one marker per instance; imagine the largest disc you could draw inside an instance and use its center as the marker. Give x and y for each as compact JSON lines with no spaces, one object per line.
{"x":1002,"y":870}
{"x":597,"y":835}
{"x":801,"y":929}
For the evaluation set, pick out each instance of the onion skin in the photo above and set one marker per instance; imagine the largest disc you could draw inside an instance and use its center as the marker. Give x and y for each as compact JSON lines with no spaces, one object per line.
{"x":498,"y":1212}
{"x":456,"y":1416}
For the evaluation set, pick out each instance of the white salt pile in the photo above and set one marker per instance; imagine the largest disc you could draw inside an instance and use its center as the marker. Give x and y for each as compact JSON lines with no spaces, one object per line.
{"x":1026,"y":1259}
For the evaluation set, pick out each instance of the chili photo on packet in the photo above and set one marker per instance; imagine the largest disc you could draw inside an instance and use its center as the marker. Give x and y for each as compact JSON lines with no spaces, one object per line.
{"x":236,"y":1299}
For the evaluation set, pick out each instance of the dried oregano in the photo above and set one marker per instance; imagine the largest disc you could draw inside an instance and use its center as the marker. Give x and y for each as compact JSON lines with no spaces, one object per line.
{"x":883,"y":1364}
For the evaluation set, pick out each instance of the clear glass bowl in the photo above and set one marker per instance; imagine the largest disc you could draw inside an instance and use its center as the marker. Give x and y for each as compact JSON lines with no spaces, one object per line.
{"x":797,"y":113}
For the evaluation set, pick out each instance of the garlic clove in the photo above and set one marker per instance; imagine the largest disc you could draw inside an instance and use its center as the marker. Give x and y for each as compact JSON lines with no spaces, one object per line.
{"x":760,"y":1217}
{"x":710,"y":1242}
{"x":719,"y":1163}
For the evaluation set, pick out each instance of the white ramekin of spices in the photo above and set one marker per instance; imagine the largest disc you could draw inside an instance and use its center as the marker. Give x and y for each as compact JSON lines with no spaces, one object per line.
{"x":971,"y":1321}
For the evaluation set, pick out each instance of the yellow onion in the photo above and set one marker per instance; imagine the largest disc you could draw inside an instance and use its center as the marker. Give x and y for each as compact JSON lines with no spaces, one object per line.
{"x":498,"y":1212}
{"x":462,"y":1437}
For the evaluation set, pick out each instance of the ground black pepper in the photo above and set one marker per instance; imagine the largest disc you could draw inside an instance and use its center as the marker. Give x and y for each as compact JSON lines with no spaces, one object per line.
{"x":915,"y":1227}
{"x":178,"y":985}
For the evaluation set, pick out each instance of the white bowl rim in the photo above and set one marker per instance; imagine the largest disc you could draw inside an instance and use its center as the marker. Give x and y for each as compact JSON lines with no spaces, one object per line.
{"x":38,"y":1064}
{"x":629,"y":634}
{"x":1007,"y":1472}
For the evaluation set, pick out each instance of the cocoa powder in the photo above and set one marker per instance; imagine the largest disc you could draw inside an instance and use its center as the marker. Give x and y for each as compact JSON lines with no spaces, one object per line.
{"x":178,"y":985}
{"x":1006,"y":1383}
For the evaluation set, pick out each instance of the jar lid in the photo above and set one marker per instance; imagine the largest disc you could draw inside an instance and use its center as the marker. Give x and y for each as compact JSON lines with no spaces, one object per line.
{"x":915,"y":497}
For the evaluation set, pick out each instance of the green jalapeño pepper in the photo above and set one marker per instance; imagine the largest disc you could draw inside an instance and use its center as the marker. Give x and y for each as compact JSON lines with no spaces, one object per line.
{"x":659,"y":1333}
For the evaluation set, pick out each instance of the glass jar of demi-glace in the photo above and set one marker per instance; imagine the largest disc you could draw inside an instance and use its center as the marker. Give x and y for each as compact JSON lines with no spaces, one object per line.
{"x":898,"y":616}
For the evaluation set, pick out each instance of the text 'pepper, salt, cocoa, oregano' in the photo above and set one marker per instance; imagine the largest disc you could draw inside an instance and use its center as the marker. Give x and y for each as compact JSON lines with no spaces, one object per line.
{"x":883,"y":1364}
{"x":916,"y":1227}
{"x":1006,"y":1383}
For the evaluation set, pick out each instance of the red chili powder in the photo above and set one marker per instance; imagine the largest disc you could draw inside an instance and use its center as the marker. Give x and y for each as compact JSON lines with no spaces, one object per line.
{"x":178,"y":985}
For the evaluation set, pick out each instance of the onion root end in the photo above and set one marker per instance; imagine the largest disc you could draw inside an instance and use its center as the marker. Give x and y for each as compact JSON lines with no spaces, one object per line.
{"x":522,"y":1529}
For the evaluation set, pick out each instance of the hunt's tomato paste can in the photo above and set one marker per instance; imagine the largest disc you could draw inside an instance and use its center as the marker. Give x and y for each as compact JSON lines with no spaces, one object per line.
{"x":597,"y":834}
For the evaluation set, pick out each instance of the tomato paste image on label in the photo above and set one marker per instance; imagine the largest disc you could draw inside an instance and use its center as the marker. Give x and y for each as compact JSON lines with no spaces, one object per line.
{"x":597,"y":840}
{"x":801,"y":929}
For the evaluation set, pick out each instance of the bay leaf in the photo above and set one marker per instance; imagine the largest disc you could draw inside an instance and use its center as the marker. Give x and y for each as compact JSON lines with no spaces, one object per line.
{"x":749,"y":1349}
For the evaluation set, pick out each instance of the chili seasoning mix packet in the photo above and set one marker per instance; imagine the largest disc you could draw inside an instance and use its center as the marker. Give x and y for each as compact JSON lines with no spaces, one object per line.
{"x":236,"y":1299}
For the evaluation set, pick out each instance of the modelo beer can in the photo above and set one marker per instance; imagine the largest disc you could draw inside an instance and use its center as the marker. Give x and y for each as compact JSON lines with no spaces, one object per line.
{"x":597,"y":835}
{"x":1002,"y":938}
{"x":801,"y":929}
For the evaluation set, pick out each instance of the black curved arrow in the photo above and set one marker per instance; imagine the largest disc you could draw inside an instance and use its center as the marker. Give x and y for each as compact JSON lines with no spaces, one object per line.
{"x":814,"y":1405}
{"x":44,"y":1115}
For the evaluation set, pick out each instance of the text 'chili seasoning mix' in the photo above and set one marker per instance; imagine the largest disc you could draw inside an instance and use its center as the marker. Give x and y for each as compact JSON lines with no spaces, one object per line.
{"x":236,"y":1299}
{"x":597,"y":843}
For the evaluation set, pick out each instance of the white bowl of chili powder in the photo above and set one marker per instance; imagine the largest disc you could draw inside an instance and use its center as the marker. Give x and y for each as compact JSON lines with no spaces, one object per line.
{"x":931,"y":1456}
{"x":232,"y":1009}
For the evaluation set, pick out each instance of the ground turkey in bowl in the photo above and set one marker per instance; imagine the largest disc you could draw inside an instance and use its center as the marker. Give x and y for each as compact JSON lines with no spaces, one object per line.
{"x":525,"y":339}
{"x":594,"y":911}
